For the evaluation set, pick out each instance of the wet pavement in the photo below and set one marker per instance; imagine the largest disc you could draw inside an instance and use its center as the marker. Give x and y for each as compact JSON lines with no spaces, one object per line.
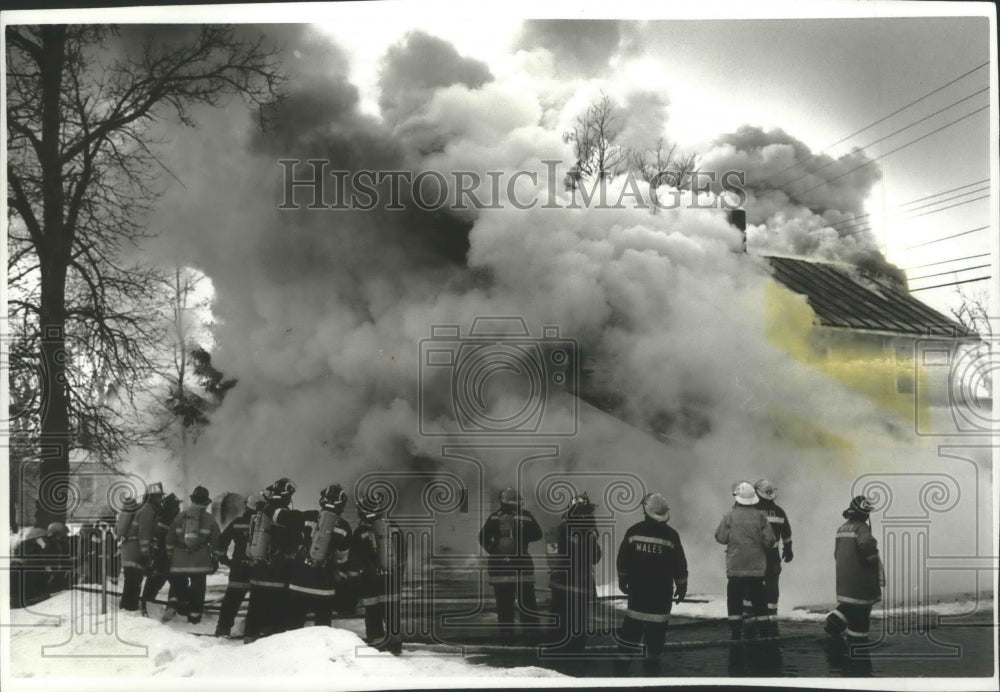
{"x":801,"y":650}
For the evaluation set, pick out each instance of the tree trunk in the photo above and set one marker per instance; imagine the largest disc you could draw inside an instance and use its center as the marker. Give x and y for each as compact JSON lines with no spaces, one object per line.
{"x":54,"y":253}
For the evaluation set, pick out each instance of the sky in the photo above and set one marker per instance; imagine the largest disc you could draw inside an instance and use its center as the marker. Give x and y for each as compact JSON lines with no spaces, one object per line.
{"x":817,"y":79}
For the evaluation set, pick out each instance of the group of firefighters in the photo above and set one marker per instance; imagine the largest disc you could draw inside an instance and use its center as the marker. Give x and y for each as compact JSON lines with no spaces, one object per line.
{"x":291,"y":562}
{"x":296,"y":562}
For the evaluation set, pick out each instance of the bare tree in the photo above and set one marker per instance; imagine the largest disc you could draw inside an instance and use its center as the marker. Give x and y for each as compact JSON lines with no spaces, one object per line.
{"x":81,"y":175}
{"x":972,"y":312}
{"x":663,"y":165}
{"x":594,"y":143}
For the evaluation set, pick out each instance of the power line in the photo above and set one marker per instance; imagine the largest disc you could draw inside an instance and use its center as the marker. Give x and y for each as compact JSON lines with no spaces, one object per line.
{"x":851,"y":221}
{"x":953,"y":271}
{"x":902,"y":146}
{"x":950,"y":206}
{"x":945,"y":192}
{"x":938,"y":240}
{"x":883,"y":119}
{"x":953,"y":283}
{"x":957,"y":259}
{"x":947,"y":199}
{"x":891,"y":134}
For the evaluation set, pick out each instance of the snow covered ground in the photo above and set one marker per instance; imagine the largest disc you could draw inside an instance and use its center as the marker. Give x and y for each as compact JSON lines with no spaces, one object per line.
{"x":67,"y":637}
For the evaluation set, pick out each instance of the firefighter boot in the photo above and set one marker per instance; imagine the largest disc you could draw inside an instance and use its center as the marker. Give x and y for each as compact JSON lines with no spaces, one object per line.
{"x":142,"y":608}
{"x":221,"y":631}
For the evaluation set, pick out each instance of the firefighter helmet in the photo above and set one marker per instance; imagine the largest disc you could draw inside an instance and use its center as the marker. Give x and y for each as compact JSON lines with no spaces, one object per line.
{"x":154,"y":489}
{"x":57,"y":528}
{"x":745,"y":494}
{"x":654,"y":506}
{"x":200,"y":496}
{"x":765,"y":489}
{"x":861,"y":505}
{"x":280,"y":492}
{"x":333,"y":497}
{"x":510,"y":498}
{"x":581,"y":506}
{"x":371,"y":506}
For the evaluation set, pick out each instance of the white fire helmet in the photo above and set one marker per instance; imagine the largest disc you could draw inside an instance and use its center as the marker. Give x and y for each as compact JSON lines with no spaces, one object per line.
{"x":765,"y":489}
{"x":655,"y":507}
{"x":745,"y":494}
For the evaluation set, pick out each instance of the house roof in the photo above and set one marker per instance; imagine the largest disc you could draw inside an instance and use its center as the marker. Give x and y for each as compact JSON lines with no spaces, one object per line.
{"x":843,"y":297}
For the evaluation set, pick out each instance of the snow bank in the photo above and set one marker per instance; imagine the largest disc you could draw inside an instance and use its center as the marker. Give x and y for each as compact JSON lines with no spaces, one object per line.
{"x":85,"y":644}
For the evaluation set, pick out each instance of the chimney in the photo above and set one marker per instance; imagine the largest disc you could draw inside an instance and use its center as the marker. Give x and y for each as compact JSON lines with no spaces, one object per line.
{"x":738,"y":218}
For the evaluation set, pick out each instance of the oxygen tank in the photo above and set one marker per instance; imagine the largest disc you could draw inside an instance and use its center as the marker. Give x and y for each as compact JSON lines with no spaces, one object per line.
{"x":259,"y":540}
{"x":322,"y":535}
{"x":507,"y":535}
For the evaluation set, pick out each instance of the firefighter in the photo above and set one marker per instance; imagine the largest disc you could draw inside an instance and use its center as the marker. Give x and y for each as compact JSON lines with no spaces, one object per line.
{"x":505,"y":537}
{"x":159,"y":572}
{"x":747,"y":535}
{"x":782,"y":529}
{"x":653,"y":573}
{"x":318,"y":564}
{"x":860,"y":576}
{"x":236,"y":535}
{"x":376,"y":559}
{"x":190,"y":542}
{"x":136,"y":526}
{"x":571,"y":577}
{"x":270,"y":546}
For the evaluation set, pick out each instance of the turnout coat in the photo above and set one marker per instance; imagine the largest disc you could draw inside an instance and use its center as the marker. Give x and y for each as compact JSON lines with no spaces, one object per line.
{"x":376,"y":560}
{"x":236,"y":534}
{"x":650,"y":562}
{"x":185,"y":560}
{"x":319,"y":579}
{"x":135,"y":531}
{"x":859,"y":567}
{"x":505,"y":537}
{"x":747,"y":535}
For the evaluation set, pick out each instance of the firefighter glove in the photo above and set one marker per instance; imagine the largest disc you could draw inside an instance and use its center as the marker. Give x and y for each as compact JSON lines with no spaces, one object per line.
{"x":680,"y":591}
{"x":623,"y":585}
{"x":215,"y":564}
{"x":787,"y":554}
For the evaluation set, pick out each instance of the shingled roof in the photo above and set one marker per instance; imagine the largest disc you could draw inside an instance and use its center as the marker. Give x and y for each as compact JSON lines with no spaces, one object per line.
{"x":842,"y":297}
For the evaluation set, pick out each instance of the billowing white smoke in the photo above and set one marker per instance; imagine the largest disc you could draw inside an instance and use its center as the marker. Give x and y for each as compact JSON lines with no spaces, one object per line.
{"x":319,"y":313}
{"x":801,"y":202}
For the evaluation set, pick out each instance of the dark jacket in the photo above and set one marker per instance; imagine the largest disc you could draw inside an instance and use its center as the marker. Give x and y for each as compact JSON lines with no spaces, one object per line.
{"x":286,"y":535}
{"x":778,"y":520}
{"x":859,"y":568}
{"x":650,"y":561}
{"x":235,"y":535}
{"x":376,"y":559}
{"x":571,"y":567}
{"x":747,"y":535}
{"x":319,"y":578}
{"x":505,"y":537}
{"x":158,"y":547}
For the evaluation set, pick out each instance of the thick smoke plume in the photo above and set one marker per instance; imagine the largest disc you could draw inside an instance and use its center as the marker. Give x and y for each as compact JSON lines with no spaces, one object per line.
{"x":319,"y":313}
{"x":801,"y":202}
